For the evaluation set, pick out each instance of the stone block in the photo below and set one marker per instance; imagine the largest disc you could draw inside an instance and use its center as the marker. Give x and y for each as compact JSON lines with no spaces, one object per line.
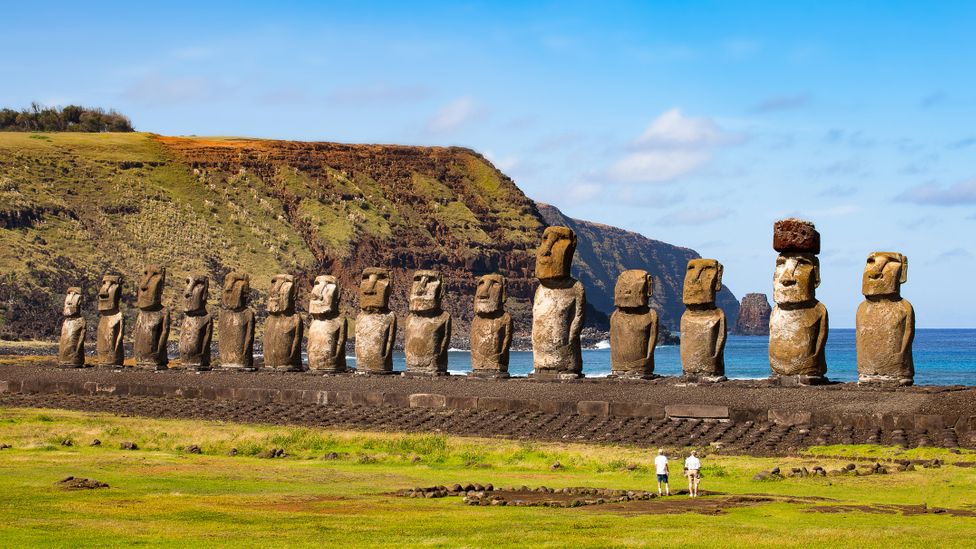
{"x":593,"y":408}
{"x":637,"y":409}
{"x":427,"y":400}
{"x":113,"y":389}
{"x":38,"y":386}
{"x":929,"y":423}
{"x":556,"y":407}
{"x":737,"y":415}
{"x":461,"y":402}
{"x":696,"y":411}
{"x":225,"y":393}
{"x":4,"y":387}
{"x":890,"y":422}
{"x":396,"y":400}
{"x":966,"y":424}
{"x":90,"y":387}
{"x":784,"y":417}
{"x":255,"y":395}
{"x":496,"y":404}
{"x":350,"y":398}
{"x":290,"y":396}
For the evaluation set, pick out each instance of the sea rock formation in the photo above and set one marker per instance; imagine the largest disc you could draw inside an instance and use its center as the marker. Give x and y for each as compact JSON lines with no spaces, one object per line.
{"x":557,"y":310}
{"x":197,"y":329}
{"x":327,"y":329}
{"x":753,"y":319}
{"x":376,"y":325}
{"x":71,"y":346}
{"x":235,"y":327}
{"x":111,"y":323}
{"x":798,"y":322}
{"x":885,"y":322}
{"x":491,"y":329}
{"x":284,"y":329}
{"x":428,"y":329}
{"x":633,"y":326}
{"x":152,"y":324}
{"x":703,"y":326}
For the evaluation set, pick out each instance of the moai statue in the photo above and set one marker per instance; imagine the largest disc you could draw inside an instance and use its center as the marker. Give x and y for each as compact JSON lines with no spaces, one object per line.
{"x":491,"y":329}
{"x":702,"y":323}
{"x":376,"y":325}
{"x":633,"y":326}
{"x":111,"y":323}
{"x":327,"y":329}
{"x":71,"y":347}
{"x":798,"y":323}
{"x":284,"y":328}
{"x":152,"y":324}
{"x":236,"y":324}
{"x":428,"y":330}
{"x":885,"y":322}
{"x":557,"y":310}
{"x":197,"y":329}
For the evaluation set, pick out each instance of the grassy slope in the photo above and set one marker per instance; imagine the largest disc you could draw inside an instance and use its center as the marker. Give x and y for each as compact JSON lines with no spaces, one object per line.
{"x":160,"y":495}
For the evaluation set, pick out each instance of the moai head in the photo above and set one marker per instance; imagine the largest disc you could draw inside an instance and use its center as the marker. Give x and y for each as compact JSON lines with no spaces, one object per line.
{"x":150,"y":290}
{"x":426,"y":291}
{"x":237,"y":290}
{"x":325,"y":296}
{"x":109,"y":293}
{"x":634,"y":287}
{"x":72,"y":302}
{"x":703,"y":280}
{"x":796,"y":278}
{"x":554,"y":257}
{"x":281,"y":298}
{"x":490,"y":295}
{"x":884,"y":274}
{"x":195,"y":294}
{"x":374,"y":290}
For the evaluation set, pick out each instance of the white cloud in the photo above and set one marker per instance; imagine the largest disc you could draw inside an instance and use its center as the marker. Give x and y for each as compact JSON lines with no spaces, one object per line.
{"x":673,"y":145}
{"x":155,"y":88}
{"x":503,"y":163}
{"x":453,"y":115}
{"x":584,"y":192}
{"x":674,"y":129}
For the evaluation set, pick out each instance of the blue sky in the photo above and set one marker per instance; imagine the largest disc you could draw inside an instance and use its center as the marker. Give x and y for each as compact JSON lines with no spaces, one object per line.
{"x":695,"y":123}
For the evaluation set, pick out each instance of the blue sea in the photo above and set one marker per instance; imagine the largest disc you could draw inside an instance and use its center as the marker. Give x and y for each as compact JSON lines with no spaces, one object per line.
{"x":942,"y":357}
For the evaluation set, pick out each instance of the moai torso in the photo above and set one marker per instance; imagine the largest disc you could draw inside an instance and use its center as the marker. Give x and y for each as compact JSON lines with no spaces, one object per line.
{"x":703,"y":325}
{"x":111,"y":323}
{"x":152,"y":324}
{"x":71,"y":346}
{"x":376,"y":325}
{"x":885,"y":322}
{"x":197,"y":328}
{"x":235,"y":328}
{"x":327,"y":328}
{"x":284,"y":329}
{"x":633,"y":326}
{"x":557,"y":321}
{"x":428,"y":329}
{"x":491,"y":328}
{"x":798,"y":324}
{"x":557,"y":309}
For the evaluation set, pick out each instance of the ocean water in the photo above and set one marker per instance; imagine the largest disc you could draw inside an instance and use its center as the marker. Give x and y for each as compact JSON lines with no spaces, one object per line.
{"x":942,"y":357}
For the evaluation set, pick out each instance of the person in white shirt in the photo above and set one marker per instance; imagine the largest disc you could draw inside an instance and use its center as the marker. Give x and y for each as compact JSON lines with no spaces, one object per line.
{"x":692,"y":465}
{"x":661,"y":465}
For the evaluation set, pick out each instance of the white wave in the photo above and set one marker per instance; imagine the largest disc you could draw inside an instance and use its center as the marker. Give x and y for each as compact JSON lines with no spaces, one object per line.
{"x":602,"y":344}
{"x":453,"y":350}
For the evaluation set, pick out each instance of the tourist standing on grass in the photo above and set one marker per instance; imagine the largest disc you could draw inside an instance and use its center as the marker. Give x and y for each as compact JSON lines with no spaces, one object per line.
{"x":692,"y":465}
{"x":661,"y":465}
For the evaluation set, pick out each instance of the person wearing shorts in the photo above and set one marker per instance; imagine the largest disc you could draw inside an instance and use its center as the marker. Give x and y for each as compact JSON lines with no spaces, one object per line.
{"x":692,"y":466}
{"x":661,"y":466}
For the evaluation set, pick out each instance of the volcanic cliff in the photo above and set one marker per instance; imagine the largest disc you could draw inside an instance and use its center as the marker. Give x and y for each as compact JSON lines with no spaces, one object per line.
{"x":75,"y":206}
{"x":753,"y":316}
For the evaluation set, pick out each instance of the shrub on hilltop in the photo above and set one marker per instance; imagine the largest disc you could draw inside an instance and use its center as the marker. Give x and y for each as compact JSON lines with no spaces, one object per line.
{"x":71,"y":118}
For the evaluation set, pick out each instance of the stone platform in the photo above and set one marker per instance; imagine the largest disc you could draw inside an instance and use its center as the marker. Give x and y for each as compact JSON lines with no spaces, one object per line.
{"x":749,"y":416}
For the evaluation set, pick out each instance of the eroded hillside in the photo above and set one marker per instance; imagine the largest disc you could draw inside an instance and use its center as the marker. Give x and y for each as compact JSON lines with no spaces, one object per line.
{"x":75,"y":206}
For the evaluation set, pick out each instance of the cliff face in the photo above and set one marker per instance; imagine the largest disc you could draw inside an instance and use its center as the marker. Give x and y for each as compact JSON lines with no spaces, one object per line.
{"x":753,"y":316}
{"x":603,"y":252}
{"x":75,"y":206}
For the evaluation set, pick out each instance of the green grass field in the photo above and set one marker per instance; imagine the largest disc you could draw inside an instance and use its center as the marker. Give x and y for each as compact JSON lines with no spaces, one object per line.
{"x":162,"y":495}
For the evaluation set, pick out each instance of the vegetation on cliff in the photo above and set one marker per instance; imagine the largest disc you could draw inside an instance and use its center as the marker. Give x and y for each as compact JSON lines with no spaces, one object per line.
{"x":72,"y":118}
